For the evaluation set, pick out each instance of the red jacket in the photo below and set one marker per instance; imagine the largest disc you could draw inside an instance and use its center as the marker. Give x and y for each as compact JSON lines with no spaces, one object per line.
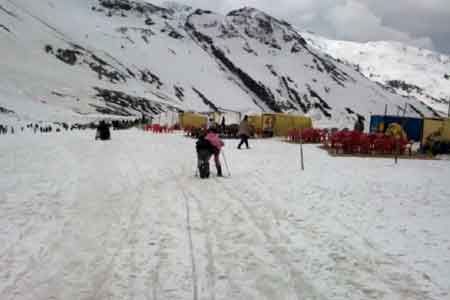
{"x":214,"y":139}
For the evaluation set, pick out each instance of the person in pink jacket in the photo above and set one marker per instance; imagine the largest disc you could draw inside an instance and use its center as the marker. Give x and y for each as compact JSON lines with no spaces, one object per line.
{"x":213,"y":138}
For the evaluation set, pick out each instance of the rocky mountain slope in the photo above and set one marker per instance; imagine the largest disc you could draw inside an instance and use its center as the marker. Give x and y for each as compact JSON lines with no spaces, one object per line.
{"x":407,"y":70}
{"x":71,"y":60}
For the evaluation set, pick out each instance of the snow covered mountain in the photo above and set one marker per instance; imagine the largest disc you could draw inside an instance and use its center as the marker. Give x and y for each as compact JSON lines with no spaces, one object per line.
{"x":71,"y":60}
{"x":409,"y":71}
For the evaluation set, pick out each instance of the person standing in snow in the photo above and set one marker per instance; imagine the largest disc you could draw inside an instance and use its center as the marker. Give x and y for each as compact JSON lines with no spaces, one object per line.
{"x":359,"y":125}
{"x":244,"y":132}
{"x":103,"y":132}
{"x":212,"y":124}
{"x":223,"y":125}
{"x":207,"y":146}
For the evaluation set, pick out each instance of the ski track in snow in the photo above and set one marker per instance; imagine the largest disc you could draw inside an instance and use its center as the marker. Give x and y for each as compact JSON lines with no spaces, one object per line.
{"x":127,"y":219}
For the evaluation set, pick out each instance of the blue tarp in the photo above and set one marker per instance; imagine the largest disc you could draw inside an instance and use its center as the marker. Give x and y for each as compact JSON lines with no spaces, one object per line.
{"x":412,"y":126}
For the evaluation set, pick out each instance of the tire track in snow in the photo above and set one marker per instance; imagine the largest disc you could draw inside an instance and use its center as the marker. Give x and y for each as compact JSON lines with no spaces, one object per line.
{"x":404,"y":285}
{"x":303,"y":290}
{"x":191,"y":244}
{"x":211,"y":227}
{"x":210,"y":268}
{"x":110,"y":266}
{"x":38,"y":263}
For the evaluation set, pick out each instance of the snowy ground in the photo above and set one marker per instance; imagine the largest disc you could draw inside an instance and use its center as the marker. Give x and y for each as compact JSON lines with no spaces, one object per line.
{"x":127,"y":219}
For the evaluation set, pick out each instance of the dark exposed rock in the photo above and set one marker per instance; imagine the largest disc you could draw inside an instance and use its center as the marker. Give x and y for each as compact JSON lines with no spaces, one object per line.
{"x":117,"y":111}
{"x":175,"y":34}
{"x":118,"y":7}
{"x":6,"y":111}
{"x":313,"y":94}
{"x":148,"y":77}
{"x":200,"y":37}
{"x":296,"y":48}
{"x":116,"y":4}
{"x":103,"y":69}
{"x":200,"y":12}
{"x":272,"y":70}
{"x":228,"y":31}
{"x":79,"y":55}
{"x":9,"y":13}
{"x":257,"y":88}
{"x":58,"y":94}
{"x":206,"y":100}
{"x":144,"y":31}
{"x":402,"y":85}
{"x":68,"y":56}
{"x":48,"y":49}
{"x":5,"y":28}
{"x":294,"y":96}
{"x":416,"y":110}
{"x":248,"y":49}
{"x":179,"y":92}
{"x":326,"y":65}
{"x":131,"y":73}
{"x":123,"y":104}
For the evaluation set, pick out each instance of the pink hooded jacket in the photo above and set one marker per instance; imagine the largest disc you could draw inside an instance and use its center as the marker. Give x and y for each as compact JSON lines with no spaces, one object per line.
{"x":214,"y":139}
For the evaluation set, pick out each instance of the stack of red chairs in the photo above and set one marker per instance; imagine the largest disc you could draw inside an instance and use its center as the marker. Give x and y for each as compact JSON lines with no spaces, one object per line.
{"x":156,"y":128}
{"x":308,"y":135}
{"x":352,"y":142}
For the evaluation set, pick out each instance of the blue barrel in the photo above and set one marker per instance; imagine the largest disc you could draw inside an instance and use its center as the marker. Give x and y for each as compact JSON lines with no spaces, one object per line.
{"x":412,"y":126}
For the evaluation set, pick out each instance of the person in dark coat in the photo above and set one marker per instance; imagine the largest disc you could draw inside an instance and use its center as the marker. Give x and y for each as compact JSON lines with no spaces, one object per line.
{"x":244,"y":132}
{"x":103,"y":132}
{"x":223,"y":125}
{"x":359,"y":125}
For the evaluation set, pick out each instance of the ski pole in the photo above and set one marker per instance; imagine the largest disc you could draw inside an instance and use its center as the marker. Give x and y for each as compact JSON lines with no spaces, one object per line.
{"x":226,"y":163}
{"x":196,"y":167}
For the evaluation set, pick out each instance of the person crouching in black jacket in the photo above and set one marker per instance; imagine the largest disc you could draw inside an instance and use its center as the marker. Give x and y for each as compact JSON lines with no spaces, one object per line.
{"x":103,"y":132}
{"x":204,"y":152}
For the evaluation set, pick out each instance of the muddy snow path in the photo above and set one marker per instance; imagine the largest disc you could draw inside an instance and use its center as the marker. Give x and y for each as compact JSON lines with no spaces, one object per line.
{"x":128,"y":219}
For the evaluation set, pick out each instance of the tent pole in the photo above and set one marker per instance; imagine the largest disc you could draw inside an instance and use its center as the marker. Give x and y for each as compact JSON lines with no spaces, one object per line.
{"x":301,"y":150}
{"x":448,"y":114}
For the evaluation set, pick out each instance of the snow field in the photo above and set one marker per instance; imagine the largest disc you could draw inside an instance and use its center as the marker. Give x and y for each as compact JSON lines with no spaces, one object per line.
{"x":127,"y":219}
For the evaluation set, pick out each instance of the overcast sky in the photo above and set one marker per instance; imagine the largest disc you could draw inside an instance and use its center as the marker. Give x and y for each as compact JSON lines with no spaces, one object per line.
{"x":423,"y":23}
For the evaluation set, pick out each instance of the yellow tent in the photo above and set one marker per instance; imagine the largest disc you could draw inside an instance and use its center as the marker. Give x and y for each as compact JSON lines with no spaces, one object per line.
{"x":283,"y":123}
{"x":446,"y":130}
{"x":430,"y":127}
{"x":256,"y":122}
{"x":438,"y":127}
{"x":188,"y":119}
{"x":280,"y":124}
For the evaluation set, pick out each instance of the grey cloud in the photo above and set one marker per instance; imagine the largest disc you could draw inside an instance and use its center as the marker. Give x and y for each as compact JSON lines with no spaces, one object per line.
{"x":423,"y":23}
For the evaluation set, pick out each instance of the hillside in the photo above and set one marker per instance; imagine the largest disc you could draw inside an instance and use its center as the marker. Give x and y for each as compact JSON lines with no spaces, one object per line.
{"x":72,"y":60}
{"x":407,"y":70}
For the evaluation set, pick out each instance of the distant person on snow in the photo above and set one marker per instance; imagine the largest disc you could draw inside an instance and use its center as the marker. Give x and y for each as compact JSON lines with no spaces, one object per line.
{"x":212,"y":124}
{"x":359,"y":125}
{"x":103,"y":132}
{"x":209,"y":145}
{"x":223,"y":125}
{"x":244,"y":132}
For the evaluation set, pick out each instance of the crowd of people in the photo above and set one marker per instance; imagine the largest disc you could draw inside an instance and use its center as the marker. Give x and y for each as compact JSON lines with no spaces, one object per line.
{"x":40,"y":127}
{"x":209,"y":144}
